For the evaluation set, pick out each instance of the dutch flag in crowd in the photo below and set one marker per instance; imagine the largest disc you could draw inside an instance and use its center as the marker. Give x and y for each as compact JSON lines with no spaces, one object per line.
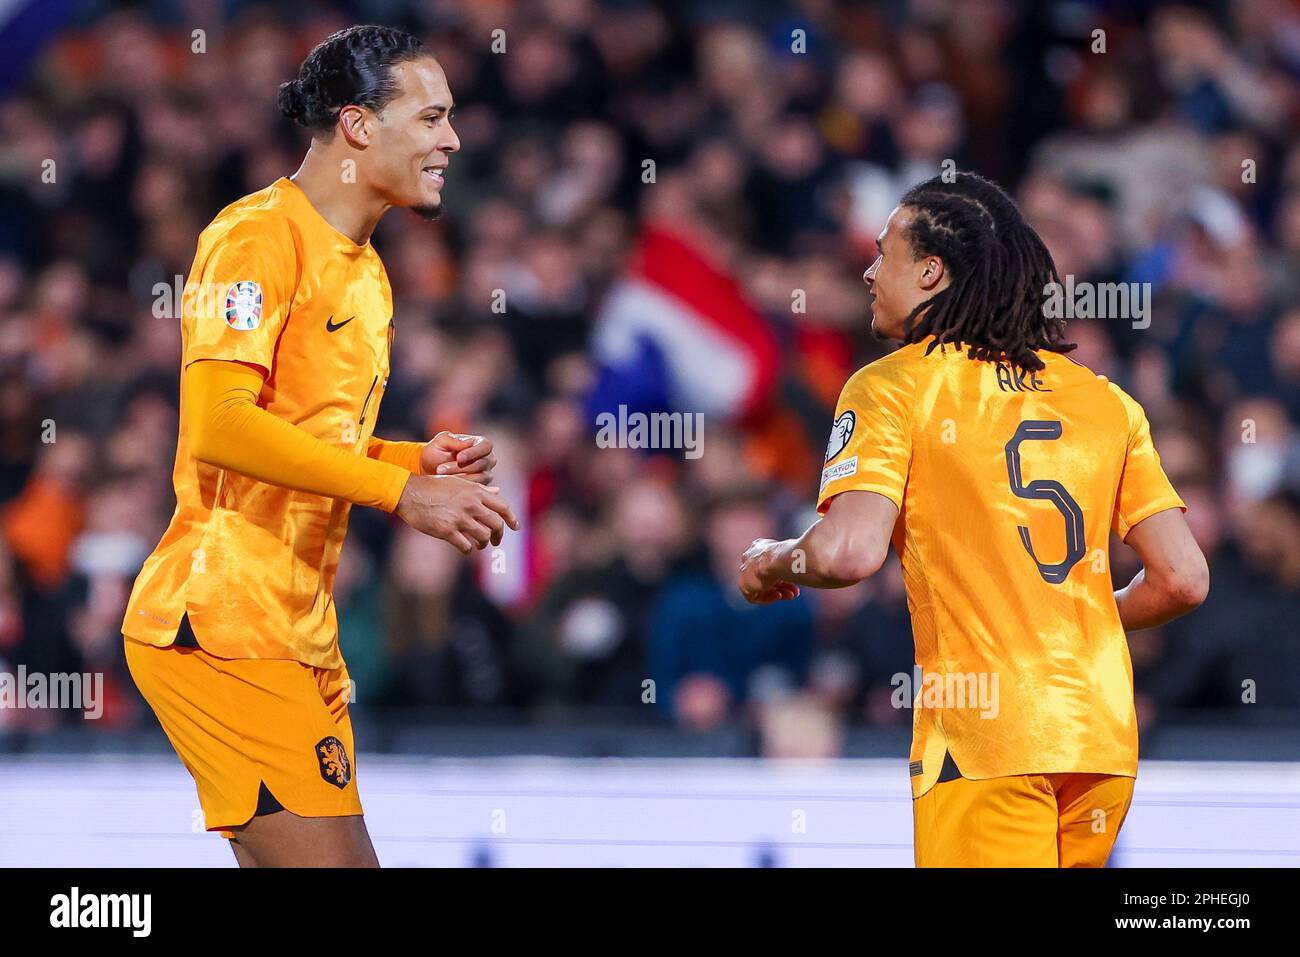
{"x":677,"y":334}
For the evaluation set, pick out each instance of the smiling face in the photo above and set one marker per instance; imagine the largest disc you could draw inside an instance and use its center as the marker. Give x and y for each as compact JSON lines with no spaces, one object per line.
{"x":900,"y":281}
{"x":411,"y":139}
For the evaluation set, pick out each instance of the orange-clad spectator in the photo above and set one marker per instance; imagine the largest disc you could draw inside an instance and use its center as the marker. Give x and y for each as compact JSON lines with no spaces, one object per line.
{"x":41,"y":524}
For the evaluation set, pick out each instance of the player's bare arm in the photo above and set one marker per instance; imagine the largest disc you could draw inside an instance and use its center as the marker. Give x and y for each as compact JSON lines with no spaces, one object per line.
{"x":842,"y":549}
{"x":1174,"y":578}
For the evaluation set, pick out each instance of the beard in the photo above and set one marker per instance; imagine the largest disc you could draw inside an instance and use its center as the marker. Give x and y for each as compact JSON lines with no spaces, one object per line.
{"x":430,"y":212}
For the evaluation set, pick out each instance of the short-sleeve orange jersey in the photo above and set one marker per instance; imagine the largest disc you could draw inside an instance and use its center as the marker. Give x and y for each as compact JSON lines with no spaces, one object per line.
{"x":1008,"y":486}
{"x":274,"y":286}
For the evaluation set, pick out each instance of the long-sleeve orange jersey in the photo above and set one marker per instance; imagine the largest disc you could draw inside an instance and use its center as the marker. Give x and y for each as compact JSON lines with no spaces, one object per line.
{"x":227,"y":428}
{"x":287,"y":444}
{"x":1008,"y":485}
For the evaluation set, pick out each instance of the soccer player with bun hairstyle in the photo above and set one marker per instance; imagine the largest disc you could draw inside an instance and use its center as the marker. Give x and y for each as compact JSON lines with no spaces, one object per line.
{"x":376,"y":96}
{"x":287,"y":330}
{"x":998,"y":467}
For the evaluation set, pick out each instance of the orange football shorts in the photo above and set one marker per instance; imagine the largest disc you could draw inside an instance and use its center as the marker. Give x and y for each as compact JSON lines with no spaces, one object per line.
{"x":1026,"y":820}
{"x":256,"y":734}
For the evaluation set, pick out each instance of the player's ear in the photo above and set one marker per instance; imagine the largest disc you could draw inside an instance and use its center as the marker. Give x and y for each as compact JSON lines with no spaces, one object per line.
{"x":354,"y":121}
{"x":932,"y":273}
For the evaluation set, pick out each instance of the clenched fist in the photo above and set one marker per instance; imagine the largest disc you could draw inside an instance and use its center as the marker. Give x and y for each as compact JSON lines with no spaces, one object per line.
{"x":451,"y":453}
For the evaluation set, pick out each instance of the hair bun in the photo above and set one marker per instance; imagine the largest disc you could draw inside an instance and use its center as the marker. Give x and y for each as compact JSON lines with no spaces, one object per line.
{"x":353,"y":65}
{"x":292,"y":101}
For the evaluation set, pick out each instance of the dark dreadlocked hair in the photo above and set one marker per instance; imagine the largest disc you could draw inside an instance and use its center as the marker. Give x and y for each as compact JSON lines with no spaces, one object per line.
{"x":353,"y":66}
{"x":999,"y":271}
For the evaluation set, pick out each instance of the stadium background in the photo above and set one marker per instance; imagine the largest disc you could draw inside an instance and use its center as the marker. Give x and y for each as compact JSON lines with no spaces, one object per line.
{"x":780,"y":137}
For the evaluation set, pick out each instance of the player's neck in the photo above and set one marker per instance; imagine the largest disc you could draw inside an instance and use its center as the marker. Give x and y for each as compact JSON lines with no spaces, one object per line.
{"x":345,"y":205}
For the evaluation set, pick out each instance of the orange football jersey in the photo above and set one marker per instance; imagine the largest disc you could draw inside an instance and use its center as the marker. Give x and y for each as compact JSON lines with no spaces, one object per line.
{"x":1008,"y":486}
{"x":274,"y":286}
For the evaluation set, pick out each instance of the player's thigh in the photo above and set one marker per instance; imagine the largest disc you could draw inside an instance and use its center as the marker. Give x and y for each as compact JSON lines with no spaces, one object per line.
{"x":998,"y":822}
{"x":1092,"y":808}
{"x":243,"y":856}
{"x":284,"y":839}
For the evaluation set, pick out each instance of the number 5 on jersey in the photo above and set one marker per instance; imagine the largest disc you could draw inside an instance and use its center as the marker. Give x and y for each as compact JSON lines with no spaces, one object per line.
{"x":1052,"y":491}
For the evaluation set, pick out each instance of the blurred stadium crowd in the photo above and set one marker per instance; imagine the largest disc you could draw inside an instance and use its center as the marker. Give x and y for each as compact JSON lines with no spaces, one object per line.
{"x":779,"y":166}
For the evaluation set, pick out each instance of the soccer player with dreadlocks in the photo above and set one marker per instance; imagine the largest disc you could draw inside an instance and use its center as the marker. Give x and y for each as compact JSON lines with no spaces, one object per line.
{"x":998,"y":466}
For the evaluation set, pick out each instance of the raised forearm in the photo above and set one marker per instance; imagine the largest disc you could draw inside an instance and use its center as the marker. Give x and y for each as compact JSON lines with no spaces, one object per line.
{"x":227,"y":428}
{"x":819,"y":558}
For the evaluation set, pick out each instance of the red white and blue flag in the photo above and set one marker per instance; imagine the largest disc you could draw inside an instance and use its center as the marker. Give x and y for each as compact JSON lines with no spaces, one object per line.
{"x":678,"y":334}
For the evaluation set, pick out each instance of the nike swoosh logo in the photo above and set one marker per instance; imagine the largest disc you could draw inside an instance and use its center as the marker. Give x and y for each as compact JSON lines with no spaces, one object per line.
{"x":332,"y":326}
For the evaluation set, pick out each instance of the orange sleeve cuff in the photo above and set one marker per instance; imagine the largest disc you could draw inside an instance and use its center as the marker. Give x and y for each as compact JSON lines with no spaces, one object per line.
{"x":403,"y":454}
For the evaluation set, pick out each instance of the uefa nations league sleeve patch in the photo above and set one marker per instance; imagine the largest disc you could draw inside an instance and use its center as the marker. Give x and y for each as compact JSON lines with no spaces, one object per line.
{"x":244,"y":306}
{"x":841,"y":432}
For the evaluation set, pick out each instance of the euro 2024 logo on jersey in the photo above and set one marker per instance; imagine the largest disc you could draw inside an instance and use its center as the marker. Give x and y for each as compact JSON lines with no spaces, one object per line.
{"x":244,"y":306}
